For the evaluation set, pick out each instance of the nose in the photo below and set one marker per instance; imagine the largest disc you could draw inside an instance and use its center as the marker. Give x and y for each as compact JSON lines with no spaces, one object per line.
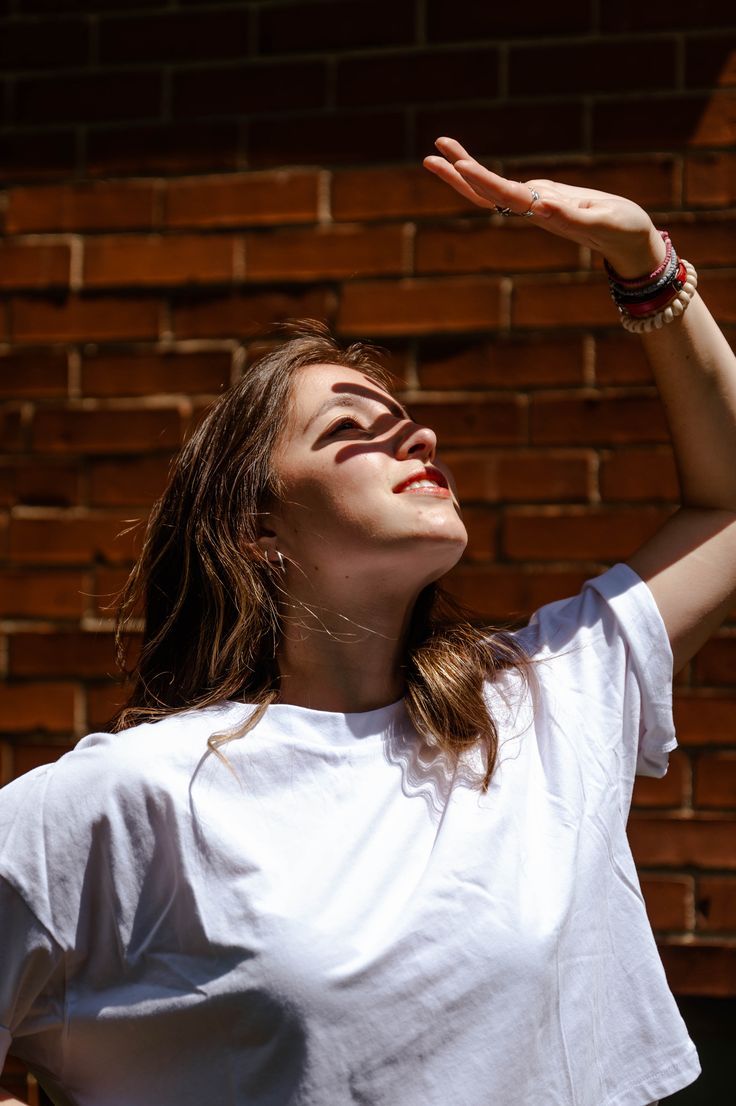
{"x":418,"y":441}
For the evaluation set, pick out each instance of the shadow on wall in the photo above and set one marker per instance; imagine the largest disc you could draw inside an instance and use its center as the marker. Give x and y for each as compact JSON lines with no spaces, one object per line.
{"x":712,"y":1025}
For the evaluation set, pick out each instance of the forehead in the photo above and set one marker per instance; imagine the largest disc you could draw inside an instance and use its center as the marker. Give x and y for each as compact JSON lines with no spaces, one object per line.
{"x":317,"y":387}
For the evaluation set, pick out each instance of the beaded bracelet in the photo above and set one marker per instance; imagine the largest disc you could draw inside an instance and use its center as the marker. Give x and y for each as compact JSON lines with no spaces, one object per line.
{"x":674,"y":308}
{"x":648,"y":291}
{"x":649,"y":302}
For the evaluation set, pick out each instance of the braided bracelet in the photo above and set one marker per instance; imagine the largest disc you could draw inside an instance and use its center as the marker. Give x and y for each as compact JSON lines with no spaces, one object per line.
{"x":674,"y":308}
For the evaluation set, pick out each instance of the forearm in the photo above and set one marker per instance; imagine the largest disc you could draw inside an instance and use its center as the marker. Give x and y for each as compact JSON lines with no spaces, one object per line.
{"x":10,"y":1099}
{"x":695,"y":371}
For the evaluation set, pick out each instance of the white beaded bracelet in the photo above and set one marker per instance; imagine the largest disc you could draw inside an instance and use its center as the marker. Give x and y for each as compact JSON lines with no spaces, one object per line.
{"x":673,"y":309}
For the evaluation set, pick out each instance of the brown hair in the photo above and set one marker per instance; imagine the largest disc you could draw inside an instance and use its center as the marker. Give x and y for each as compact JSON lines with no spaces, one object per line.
{"x":212,"y":620}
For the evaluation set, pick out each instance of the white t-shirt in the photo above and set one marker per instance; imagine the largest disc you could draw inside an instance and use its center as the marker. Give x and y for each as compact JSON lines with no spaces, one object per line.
{"x":340,"y":920}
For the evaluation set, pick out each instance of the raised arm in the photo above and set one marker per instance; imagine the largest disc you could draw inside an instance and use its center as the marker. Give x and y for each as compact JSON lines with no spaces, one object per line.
{"x":690,"y":563}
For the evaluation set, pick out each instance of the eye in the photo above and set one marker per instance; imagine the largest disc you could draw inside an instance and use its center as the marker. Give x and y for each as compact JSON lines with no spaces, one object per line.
{"x":347,"y":423}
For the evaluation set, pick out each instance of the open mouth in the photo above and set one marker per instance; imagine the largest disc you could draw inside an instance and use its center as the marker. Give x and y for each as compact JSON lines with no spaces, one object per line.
{"x":428,"y":481}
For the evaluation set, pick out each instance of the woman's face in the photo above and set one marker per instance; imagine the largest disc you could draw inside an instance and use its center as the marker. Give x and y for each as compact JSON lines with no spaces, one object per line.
{"x":349,"y":461}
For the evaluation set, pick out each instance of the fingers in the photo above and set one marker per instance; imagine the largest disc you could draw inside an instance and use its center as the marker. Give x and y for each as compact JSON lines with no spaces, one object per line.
{"x":472,"y":180}
{"x":447,"y":172}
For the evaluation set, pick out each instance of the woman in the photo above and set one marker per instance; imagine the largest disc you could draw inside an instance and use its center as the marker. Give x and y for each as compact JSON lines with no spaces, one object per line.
{"x":346,"y":847}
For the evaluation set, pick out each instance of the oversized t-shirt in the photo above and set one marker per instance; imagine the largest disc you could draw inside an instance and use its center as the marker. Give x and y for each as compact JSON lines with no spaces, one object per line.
{"x":336,"y":916}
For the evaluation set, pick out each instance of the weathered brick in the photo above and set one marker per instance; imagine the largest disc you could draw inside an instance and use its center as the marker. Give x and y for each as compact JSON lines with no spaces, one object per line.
{"x":30,"y":755}
{"x":620,"y":359}
{"x":715,"y":780}
{"x":24,"y":45}
{"x":42,"y":594}
{"x":103,"y":701}
{"x":504,"y":129}
{"x":608,"y":65}
{"x":482,"y":527}
{"x":493,"y":421}
{"x":33,"y":373}
{"x":419,"y":306}
{"x":668,"y":901}
{"x":136,"y":371}
{"x":649,"y":181}
{"x":704,"y":842}
{"x":297,"y":27}
{"x":568,"y":300}
{"x":250,"y":88}
{"x":470,"y":247}
{"x":245,"y":313}
{"x":70,"y":540}
{"x":38,"y":154}
{"x":672,"y":791}
{"x":715,"y":903}
{"x":74,"y":319}
{"x":670,"y":122}
{"x":630,"y":15}
{"x":700,"y":969}
{"x":520,"y":477}
{"x":639,"y":474}
{"x":42,"y":265}
{"x":448,"y":21}
{"x":334,"y":251}
{"x":12,"y":435}
{"x":705,"y":719}
{"x":105,"y":591}
{"x":715,"y":664}
{"x":501,"y":361}
{"x":393,"y":192}
{"x":39,"y":483}
{"x":127,"y":482}
{"x":115,"y":430}
{"x":576,"y":533}
{"x":417,"y":77}
{"x":710,"y":179}
{"x":502,"y":593}
{"x":71,"y":654}
{"x":243,"y":199}
{"x":30,"y":707}
{"x":706,"y":241}
{"x":88,"y":97}
{"x":103,"y":205}
{"x":174,"y":36}
{"x":597,"y":420}
{"x":320,"y":139}
{"x":154,"y":260}
{"x":710,"y":60}
{"x":182,"y":147}
{"x":718,"y":289}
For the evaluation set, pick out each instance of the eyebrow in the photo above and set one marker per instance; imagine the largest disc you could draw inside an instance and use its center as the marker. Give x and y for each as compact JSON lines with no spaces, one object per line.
{"x":348,"y":399}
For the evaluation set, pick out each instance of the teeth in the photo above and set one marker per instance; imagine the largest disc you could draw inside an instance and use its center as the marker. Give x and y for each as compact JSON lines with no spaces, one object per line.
{"x":421,"y":484}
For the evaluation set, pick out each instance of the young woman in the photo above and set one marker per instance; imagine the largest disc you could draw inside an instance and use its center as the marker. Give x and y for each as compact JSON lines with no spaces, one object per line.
{"x":342,"y":845}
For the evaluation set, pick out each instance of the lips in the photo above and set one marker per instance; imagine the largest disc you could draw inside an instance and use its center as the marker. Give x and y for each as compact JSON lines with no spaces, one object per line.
{"x":429,"y":472}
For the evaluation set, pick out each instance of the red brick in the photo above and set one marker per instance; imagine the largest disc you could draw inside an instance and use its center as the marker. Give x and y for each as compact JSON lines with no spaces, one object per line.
{"x":248,"y":88}
{"x":108,"y":205}
{"x":27,"y":708}
{"x":710,"y":61}
{"x":472,"y":248}
{"x":118,"y":430}
{"x":426,"y":305}
{"x":715,"y":903}
{"x":667,"y":123}
{"x":12,"y":435}
{"x":576,"y":533}
{"x":394,"y":192}
{"x":502,"y":593}
{"x":710,"y":179}
{"x":715,"y":664}
{"x":668,"y":901}
{"x":597,"y":420}
{"x":630,"y":15}
{"x":715,"y":780}
{"x":415,"y":77}
{"x":334,"y":251}
{"x":639,"y":474}
{"x":672,"y":791}
{"x":649,"y":181}
{"x":146,"y":372}
{"x":129,"y":482}
{"x":570,"y":300}
{"x":27,"y":756}
{"x":319,"y":139}
{"x":33,"y":266}
{"x":153,"y":260}
{"x":26,"y":594}
{"x":103,"y":702}
{"x":186,"y":147}
{"x":23,"y":45}
{"x":174,"y":36}
{"x":71,"y":540}
{"x":706,"y":241}
{"x":504,"y":129}
{"x":493,"y":420}
{"x":708,"y":970}
{"x":33,"y":373}
{"x":613,"y":65}
{"x":74,"y":319}
{"x":105,"y":592}
{"x":448,"y":21}
{"x":482,"y":527}
{"x":86,"y":5}
{"x":245,"y":313}
{"x":671,"y":842}
{"x":27,"y":155}
{"x":88,"y":97}
{"x":518,"y":361}
{"x":520,"y":477}
{"x":297,"y":27}
{"x":620,"y":359}
{"x":39,"y":483}
{"x":75,"y":654}
{"x":718,"y":289}
{"x":705,"y":720}
{"x":243,"y":199}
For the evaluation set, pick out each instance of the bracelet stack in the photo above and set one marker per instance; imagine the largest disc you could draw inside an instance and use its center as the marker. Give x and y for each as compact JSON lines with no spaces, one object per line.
{"x":649,"y":302}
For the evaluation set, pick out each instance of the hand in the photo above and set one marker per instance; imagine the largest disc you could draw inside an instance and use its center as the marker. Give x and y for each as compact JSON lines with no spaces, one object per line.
{"x":618,"y":228}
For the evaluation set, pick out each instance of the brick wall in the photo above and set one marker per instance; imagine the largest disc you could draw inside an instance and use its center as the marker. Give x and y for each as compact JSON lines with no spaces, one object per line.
{"x":177,"y":176}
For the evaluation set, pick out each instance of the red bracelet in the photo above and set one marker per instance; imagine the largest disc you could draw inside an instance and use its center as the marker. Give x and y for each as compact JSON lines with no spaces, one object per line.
{"x":649,"y":307}
{"x":632,"y":283}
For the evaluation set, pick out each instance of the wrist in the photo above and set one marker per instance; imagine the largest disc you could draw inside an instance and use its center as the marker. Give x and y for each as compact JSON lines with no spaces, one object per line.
{"x":638,"y":256}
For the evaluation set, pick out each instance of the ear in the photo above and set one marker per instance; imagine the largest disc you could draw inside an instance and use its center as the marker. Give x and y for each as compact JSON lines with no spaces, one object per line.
{"x":267,"y":540}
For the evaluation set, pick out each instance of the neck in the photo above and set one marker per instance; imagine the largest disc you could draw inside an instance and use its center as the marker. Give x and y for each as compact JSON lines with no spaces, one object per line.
{"x":342,"y":654}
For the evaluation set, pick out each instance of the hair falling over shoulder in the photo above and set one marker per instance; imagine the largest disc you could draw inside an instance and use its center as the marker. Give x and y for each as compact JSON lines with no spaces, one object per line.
{"x":210,"y":599}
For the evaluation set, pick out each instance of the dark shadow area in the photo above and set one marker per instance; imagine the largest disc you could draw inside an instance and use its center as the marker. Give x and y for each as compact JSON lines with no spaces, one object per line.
{"x":712,"y":1026}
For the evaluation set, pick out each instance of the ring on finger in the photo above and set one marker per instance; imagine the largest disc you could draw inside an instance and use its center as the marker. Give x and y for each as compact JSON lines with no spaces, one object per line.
{"x":520,"y":214}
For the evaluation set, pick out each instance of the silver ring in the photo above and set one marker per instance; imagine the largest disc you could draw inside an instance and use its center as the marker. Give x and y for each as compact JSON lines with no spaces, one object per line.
{"x":520,"y":214}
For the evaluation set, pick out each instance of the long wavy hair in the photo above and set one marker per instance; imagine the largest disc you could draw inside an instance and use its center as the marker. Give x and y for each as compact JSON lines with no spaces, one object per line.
{"x":211,"y":600}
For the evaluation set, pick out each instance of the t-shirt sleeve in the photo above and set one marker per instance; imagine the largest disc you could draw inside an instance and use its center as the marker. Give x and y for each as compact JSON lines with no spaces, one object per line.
{"x":606,"y":661}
